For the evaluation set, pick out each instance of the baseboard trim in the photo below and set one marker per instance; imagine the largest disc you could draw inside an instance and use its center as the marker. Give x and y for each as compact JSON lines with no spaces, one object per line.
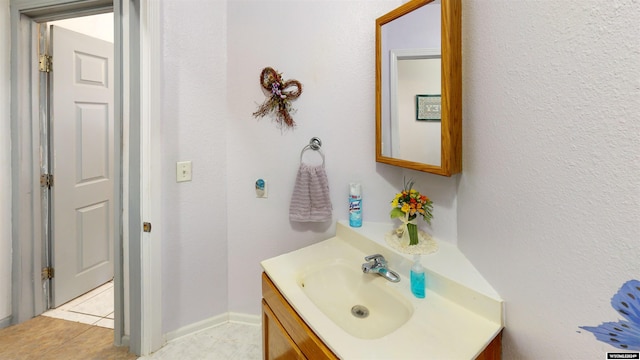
{"x":214,"y":321}
{"x":5,"y":322}
{"x":197,"y":326}
{"x":247,"y":319}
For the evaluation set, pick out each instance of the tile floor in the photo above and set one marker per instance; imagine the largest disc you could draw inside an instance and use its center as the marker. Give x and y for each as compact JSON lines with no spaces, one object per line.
{"x":226,"y":341}
{"x":93,"y":308}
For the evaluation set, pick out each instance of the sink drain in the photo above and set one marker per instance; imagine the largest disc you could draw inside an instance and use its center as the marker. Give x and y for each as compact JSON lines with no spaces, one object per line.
{"x":360,"y":311}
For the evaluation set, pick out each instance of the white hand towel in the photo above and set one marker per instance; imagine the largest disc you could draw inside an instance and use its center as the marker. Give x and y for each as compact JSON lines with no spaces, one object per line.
{"x":311,"y":200}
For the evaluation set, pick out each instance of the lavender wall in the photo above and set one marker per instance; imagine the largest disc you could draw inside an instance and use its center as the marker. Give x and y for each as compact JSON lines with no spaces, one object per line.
{"x":549,"y":199}
{"x":548,"y":204}
{"x":194,"y":118}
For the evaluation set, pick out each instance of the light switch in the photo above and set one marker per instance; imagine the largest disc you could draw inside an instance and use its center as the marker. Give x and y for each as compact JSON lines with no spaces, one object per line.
{"x":183,"y":171}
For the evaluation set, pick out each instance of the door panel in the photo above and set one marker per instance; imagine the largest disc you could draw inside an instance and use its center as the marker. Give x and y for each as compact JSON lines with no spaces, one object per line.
{"x":82,"y":139}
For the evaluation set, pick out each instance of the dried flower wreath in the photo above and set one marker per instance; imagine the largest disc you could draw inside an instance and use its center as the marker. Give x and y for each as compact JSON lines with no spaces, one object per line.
{"x":280,"y":98}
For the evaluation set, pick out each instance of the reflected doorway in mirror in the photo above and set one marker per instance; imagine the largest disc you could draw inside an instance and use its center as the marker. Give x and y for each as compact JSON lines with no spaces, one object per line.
{"x":413,"y":71}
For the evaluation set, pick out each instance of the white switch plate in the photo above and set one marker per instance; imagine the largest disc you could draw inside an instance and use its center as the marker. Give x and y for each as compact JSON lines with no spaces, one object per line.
{"x":183,"y":171}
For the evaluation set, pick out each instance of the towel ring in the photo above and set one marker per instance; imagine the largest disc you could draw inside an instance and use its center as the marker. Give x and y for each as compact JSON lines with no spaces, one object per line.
{"x":314,"y":144}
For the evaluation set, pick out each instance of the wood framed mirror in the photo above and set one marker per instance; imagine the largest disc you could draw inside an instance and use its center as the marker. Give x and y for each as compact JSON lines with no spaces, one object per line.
{"x":418,"y":108}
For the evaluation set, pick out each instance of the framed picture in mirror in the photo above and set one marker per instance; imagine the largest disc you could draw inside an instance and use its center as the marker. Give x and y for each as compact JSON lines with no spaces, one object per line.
{"x":428,"y":107}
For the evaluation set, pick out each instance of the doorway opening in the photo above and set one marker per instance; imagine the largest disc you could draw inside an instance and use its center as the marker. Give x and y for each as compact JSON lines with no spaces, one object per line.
{"x":78,"y":139}
{"x":31,"y":181}
{"x":136,"y":32}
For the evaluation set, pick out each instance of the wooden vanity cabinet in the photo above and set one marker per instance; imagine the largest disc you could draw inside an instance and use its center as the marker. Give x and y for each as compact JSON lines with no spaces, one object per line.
{"x":277,"y":342}
{"x":285,"y":335}
{"x":493,"y":351}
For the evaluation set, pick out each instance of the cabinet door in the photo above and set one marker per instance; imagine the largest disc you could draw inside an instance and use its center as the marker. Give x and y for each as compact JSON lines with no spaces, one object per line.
{"x":277,"y":343}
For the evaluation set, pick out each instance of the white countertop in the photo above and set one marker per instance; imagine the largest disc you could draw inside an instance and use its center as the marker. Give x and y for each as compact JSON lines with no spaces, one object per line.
{"x":458,"y":318}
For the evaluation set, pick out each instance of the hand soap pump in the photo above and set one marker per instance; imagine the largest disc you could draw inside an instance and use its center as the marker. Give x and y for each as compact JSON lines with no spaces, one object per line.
{"x":417,"y":278}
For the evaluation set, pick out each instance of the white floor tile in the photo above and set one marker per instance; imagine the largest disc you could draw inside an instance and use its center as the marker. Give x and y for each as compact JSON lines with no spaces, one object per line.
{"x":99,"y":305}
{"x":224,"y":342}
{"x":93,"y":308}
{"x":79,"y":300}
{"x":72,"y":316}
{"x":105,"y":323}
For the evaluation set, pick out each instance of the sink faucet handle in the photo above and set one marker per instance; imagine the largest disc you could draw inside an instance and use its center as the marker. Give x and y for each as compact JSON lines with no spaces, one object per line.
{"x":377,"y":258}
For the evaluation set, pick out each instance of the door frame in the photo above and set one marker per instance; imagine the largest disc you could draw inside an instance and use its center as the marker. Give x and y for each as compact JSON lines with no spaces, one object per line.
{"x":136,"y":40}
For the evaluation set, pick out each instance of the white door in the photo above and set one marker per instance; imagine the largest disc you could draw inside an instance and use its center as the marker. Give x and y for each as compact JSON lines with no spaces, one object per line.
{"x":82,"y":139}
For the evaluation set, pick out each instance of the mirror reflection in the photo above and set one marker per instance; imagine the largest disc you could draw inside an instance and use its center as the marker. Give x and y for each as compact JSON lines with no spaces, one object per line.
{"x":419,"y":86}
{"x":415,"y":107}
{"x":411,"y":86}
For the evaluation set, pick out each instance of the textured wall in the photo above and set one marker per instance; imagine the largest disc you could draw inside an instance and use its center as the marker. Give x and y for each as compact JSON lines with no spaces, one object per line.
{"x":329,"y":47}
{"x":216,"y":220}
{"x":194,"y":80}
{"x":547,"y":207}
{"x":549,"y":201}
{"x":332,"y":59}
{"x":5,"y":162}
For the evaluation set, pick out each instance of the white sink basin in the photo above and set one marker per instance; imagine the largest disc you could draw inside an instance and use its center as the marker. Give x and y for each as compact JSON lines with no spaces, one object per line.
{"x":361,"y":304}
{"x":323,"y":281}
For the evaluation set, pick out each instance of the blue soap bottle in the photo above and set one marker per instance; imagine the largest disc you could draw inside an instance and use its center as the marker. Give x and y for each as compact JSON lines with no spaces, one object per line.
{"x":417,"y":278}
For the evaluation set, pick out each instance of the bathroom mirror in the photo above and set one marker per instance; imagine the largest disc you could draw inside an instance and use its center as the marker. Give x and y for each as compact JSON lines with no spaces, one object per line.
{"x":419,"y":87}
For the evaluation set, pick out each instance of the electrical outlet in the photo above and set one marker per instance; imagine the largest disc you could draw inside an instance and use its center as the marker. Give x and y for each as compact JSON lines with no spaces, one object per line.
{"x":183,"y":171}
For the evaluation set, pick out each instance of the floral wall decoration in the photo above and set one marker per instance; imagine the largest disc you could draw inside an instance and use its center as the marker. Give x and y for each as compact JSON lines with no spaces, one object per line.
{"x":280,"y":94}
{"x":623,"y":334}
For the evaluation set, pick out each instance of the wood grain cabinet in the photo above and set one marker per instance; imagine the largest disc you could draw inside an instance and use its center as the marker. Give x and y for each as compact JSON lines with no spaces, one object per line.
{"x":286,"y":336}
{"x":278,"y":343}
{"x":493,"y":351}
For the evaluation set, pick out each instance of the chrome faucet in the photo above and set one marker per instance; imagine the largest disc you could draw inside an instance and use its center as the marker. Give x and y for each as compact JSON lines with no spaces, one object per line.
{"x":378,"y":264}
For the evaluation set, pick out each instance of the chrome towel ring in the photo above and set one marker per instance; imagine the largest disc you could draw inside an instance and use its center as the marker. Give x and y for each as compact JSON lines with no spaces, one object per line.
{"x":314,"y":144}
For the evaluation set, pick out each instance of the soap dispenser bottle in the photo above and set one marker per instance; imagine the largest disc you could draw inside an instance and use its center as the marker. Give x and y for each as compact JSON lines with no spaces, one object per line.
{"x":417,"y":278}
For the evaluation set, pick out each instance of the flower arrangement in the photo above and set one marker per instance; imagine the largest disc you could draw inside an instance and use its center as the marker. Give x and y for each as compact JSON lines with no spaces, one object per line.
{"x":407,"y":205}
{"x":279,"y":98}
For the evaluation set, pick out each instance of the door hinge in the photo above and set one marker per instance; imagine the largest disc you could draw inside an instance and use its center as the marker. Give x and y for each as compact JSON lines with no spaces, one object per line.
{"x":45,"y":63}
{"x":47,"y":273}
{"x":146,"y":227}
{"x":46,"y":180}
